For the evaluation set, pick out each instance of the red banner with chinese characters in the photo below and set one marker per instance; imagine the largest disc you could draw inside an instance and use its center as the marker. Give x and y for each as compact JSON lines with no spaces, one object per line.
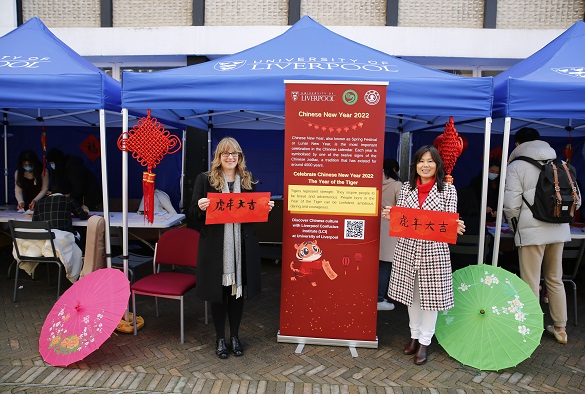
{"x":237,"y":207}
{"x":334,"y":151}
{"x":423,"y":224}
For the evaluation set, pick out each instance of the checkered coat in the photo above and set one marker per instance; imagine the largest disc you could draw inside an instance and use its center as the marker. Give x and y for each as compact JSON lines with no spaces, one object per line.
{"x":429,"y":259}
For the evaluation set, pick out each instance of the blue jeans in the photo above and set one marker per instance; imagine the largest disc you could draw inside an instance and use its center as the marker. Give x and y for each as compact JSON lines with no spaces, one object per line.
{"x":383,"y":279}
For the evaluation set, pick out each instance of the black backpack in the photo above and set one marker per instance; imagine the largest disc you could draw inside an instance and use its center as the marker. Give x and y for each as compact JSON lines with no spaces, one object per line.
{"x":552,"y":204}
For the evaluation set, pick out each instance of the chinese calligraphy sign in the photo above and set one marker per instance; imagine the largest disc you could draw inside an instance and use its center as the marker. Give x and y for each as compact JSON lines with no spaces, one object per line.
{"x":237,"y":207}
{"x":423,"y":224}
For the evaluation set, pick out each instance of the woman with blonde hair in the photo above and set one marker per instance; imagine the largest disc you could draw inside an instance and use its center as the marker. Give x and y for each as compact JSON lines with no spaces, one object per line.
{"x":229,"y":254}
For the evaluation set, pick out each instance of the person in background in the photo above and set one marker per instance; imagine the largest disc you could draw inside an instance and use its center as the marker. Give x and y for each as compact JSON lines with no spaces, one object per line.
{"x":71,"y":169}
{"x":229,"y":254}
{"x":421,"y":271}
{"x":57,"y":209}
{"x":493,"y":189}
{"x":162,"y":203}
{"x":30,"y":183}
{"x":390,"y":189}
{"x":468,"y":209}
{"x":540,"y":244}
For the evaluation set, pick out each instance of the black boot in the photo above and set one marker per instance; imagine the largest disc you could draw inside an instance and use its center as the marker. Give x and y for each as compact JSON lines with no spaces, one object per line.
{"x":421,"y":355}
{"x":410,"y":347}
{"x":237,"y":347}
{"x":221,"y":348}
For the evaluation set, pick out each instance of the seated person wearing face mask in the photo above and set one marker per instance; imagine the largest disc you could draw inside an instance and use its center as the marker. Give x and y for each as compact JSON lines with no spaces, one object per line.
{"x":493,"y":188}
{"x":31,"y":183}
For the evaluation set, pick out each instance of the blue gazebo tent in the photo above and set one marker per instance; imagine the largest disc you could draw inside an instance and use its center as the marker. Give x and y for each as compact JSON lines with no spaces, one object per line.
{"x":246,"y":90}
{"x":40,"y":73}
{"x":44,"y":82}
{"x":545,"y":91}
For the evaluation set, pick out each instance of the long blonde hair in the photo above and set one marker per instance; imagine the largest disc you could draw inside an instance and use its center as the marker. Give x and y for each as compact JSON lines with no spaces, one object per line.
{"x":229,"y":144}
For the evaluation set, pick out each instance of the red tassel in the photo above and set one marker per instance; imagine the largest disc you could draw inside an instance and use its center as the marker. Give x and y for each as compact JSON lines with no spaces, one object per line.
{"x":44,"y":146}
{"x":148,"y":192}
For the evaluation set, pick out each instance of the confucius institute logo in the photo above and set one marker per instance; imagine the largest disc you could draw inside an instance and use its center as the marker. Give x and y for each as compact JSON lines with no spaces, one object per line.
{"x":350,"y":97}
{"x":372,"y":97}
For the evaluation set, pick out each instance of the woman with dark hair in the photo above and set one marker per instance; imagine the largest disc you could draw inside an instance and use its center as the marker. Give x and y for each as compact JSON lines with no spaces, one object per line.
{"x":30,"y":183}
{"x":390,"y":188}
{"x":421,"y":272}
{"x":229,"y":254}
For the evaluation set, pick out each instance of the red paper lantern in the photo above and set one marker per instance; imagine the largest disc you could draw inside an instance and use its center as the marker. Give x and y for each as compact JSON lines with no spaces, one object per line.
{"x":450,"y":147}
{"x":358,"y":258}
{"x":345,"y":261}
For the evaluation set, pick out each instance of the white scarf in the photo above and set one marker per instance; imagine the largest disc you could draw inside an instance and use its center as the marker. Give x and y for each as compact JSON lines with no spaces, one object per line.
{"x":232,"y":248}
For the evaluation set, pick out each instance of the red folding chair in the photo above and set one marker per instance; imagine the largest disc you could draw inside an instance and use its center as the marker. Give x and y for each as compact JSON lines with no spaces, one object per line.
{"x":176,"y":247}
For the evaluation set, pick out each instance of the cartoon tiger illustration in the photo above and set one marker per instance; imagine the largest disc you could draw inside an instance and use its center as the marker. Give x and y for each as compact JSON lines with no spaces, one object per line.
{"x":308,"y":253}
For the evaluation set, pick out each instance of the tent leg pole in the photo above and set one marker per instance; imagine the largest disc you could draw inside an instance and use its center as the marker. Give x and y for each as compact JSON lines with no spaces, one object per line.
{"x":105,"y":193}
{"x":5,"y":122}
{"x":503,"y":168}
{"x":125,"y":199}
{"x":484,"y":182}
{"x":209,"y":142}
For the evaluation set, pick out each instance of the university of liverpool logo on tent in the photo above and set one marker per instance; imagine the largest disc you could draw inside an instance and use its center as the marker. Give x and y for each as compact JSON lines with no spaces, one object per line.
{"x":23,"y":61}
{"x":578,"y":72}
{"x":229,"y":65}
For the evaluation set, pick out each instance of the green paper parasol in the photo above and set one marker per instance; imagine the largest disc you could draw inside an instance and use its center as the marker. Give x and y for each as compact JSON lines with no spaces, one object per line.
{"x":496,"y":323}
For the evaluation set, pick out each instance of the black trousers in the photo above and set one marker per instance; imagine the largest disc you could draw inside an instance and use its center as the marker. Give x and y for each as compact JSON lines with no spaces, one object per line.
{"x":232,"y":308}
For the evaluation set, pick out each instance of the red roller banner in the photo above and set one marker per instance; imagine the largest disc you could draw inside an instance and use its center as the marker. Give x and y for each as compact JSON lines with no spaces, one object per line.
{"x":334,"y":151}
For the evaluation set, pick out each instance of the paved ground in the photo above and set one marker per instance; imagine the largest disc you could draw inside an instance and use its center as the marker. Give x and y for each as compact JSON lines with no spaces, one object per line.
{"x":155,"y":361}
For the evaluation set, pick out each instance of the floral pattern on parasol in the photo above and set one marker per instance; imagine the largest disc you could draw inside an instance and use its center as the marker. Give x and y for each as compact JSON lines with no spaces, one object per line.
{"x":63,"y":344}
{"x":84,"y":317}
{"x":497,"y":321}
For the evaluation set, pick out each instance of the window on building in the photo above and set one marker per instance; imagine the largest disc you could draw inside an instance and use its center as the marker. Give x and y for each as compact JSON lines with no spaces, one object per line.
{"x":463,"y":73}
{"x":490,"y":73}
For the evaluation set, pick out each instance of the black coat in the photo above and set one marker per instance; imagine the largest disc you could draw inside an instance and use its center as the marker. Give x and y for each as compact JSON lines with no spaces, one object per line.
{"x":83,"y":184}
{"x":210,"y":258}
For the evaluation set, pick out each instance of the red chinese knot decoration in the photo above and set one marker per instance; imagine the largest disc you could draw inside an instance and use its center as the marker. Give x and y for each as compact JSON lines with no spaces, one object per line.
{"x":149,"y":142}
{"x":450,"y":147}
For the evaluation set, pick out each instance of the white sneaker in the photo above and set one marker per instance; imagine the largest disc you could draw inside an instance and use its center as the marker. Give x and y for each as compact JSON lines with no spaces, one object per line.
{"x":385,"y":306}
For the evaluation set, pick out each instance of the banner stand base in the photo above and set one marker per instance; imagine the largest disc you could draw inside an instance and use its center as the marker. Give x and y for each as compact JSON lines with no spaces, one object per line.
{"x":352,"y":344}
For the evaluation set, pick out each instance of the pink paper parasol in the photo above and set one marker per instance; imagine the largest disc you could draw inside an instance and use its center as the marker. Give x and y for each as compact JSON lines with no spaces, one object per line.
{"x":84,"y":317}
